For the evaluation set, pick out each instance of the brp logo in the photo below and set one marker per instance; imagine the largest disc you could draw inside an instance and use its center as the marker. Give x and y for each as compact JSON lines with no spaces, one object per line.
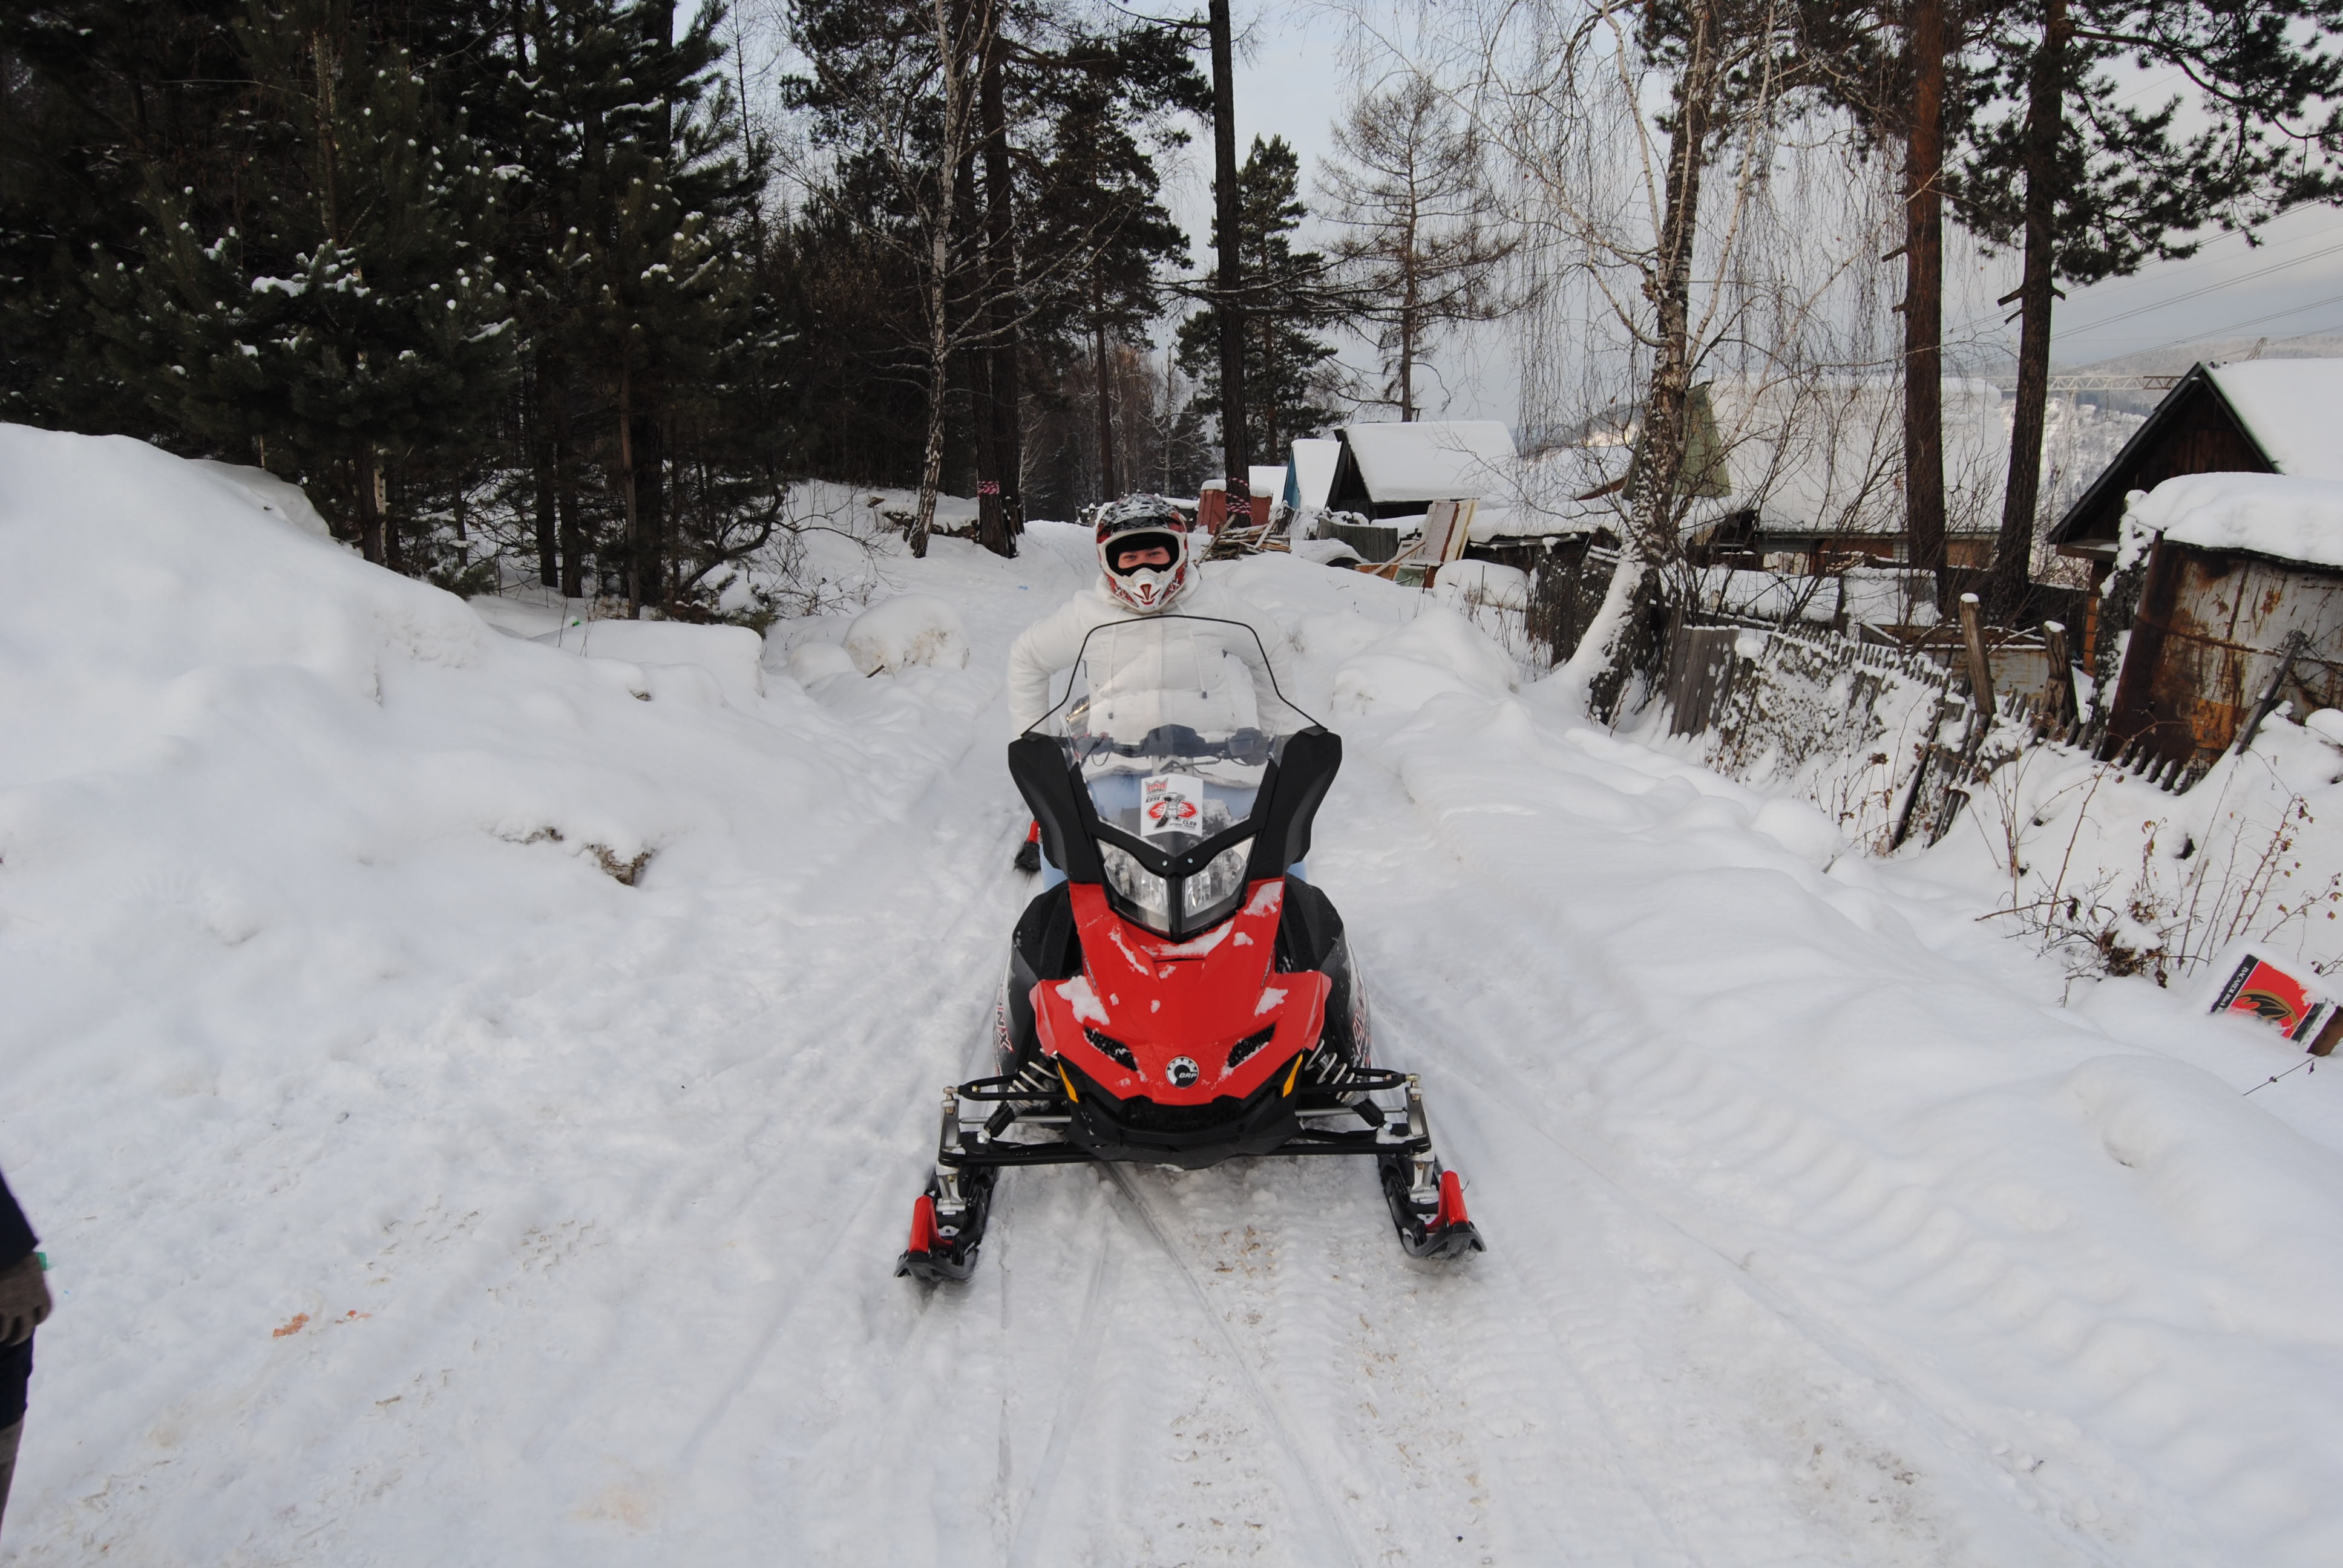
{"x":1182,"y":1071}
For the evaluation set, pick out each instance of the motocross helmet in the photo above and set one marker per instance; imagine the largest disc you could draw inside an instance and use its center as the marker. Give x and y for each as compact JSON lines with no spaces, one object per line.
{"x":1144,"y":522}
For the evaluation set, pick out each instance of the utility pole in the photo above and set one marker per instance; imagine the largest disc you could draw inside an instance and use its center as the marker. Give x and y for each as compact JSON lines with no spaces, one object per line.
{"x":1236,"y":455}
{"x":1924,"y":297}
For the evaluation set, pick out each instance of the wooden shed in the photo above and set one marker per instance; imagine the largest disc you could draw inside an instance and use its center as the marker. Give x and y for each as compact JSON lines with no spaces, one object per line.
{"x":2241,"y":601}
{"x":2255,"y":417}
{"x":1392,"y":473}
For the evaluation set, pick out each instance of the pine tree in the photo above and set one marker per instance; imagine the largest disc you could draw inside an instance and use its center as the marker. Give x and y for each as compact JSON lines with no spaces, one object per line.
{"x":1286,"y":302}
{"x":629,"y":182}
{"x":350,"y":315}
{"x":2086,"y":186}
{"x":1048,"y":241}
{"x":97,"y":97}
{"x":1097,"y":194}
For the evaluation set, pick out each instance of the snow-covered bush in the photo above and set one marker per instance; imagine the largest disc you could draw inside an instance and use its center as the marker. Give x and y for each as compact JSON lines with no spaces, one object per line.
{"x":1463,"y":583}
{"x":907,"y":633}
{"x":731,"y":654}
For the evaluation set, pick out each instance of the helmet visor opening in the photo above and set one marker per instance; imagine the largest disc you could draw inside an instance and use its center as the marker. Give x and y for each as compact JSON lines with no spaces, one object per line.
{"x":1134,"y":546}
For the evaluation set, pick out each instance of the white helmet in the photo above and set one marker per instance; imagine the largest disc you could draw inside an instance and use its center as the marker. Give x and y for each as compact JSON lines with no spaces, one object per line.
{"x":1144,"y":522}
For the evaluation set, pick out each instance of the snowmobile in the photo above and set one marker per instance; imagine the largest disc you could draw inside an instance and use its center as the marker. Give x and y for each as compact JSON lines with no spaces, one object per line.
{"x":1184,"y":996}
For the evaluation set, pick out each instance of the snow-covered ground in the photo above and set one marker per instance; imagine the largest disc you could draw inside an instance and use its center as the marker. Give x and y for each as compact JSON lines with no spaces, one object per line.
{"x":471,"y":1090}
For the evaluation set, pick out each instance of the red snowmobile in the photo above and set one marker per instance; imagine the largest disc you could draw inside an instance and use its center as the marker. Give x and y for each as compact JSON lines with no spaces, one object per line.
{"x":1182,"y":996}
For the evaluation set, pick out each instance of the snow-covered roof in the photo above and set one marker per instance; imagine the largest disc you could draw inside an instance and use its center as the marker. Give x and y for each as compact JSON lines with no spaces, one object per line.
{"x":2294,"y":519}
{"x":2284,"y":409}
{"x":1313,"y":471}
{"x":2288,"y":407}
{"x":1433,"y":459}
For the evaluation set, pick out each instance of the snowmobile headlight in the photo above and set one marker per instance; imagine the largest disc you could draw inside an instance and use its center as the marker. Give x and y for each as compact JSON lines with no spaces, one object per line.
{"x":1147,"y":893}
{"x":1248,"y":1048}
{"x":1213,"y":891}
{"x":1114,"y":1050}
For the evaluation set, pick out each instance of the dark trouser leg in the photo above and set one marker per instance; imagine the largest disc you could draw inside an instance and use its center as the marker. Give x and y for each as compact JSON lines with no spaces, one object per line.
{"x":8,"y":1440}
{"x":16,"y":1371}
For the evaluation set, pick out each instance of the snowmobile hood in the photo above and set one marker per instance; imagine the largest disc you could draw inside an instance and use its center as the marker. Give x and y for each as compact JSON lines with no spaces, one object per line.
{"x":1185,"y":1022}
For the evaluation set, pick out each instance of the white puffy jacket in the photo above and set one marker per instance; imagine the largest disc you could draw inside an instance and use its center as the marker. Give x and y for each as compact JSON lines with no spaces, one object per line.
{"x":1160,"y":670}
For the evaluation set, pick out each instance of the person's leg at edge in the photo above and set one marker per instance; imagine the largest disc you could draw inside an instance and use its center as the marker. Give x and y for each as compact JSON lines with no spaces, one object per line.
{"x":9,"y":1436}
{"x":16,"y":1373}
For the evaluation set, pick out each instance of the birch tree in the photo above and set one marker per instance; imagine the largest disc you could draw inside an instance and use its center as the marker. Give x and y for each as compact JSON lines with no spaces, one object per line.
{"x":1641,"y":138}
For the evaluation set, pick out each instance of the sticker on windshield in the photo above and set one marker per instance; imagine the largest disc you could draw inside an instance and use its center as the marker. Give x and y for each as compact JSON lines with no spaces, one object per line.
{"x":1171,"y":803}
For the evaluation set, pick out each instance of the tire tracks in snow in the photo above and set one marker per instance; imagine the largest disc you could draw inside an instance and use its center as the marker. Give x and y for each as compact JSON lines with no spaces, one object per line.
{"x":886,"y":1111}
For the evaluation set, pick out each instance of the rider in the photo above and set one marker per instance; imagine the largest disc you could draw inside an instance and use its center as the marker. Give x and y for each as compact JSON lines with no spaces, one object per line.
{"x":1146,"y":568}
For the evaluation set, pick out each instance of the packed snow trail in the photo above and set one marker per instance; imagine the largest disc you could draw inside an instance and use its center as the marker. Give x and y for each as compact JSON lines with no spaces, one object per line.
{"x":419,"y":1191}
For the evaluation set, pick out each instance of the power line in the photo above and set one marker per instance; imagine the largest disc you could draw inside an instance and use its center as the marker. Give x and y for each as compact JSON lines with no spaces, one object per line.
{"x":2255,"y":321}
{"x":2205,"y":289}
{"x":2139,"y":280}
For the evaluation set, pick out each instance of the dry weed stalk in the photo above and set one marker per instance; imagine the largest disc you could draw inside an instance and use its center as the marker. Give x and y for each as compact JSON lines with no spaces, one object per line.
{"x":2182,"y":906}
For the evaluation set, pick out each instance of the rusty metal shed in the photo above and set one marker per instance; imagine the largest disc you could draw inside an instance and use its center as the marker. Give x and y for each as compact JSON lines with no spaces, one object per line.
{"x":2217,"y":624}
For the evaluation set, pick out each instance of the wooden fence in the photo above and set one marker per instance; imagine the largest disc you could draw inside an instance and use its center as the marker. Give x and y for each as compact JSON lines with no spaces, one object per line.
{"x":1885,"y":740}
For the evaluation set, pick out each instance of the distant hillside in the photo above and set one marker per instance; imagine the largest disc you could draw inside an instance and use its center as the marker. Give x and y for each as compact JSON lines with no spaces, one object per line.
{"x":2176,"y":360}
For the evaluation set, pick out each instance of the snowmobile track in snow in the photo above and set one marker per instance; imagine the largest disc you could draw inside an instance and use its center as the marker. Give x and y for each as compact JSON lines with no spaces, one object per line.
{"x":1479,"y":1075}
{"x":1329,"y":1523}
{"x":1082,"y":1370}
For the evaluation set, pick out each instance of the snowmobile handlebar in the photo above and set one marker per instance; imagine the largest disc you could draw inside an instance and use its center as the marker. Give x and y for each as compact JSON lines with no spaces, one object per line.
{"x":1299,"y":770}
{"x":1249,"y":745}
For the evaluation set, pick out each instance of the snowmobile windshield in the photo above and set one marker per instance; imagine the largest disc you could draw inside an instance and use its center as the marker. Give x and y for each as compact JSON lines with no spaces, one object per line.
{"x":1170,"y":724}
{"x":1207,"y":677}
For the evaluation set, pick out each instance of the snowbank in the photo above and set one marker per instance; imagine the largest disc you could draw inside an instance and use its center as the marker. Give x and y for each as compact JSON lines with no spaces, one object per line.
{"x":358,"y":957}
{"x":269,"y":493}
{"x":908,"y":631}
{"x":1325,"y":552}
{"x":135,"y":581}
{"x":816,"y":661}
{"x":2099,"y":867}
{"x":733,"y":655}
{"x":2291,"y":518}
{"x":1438,"y":652}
